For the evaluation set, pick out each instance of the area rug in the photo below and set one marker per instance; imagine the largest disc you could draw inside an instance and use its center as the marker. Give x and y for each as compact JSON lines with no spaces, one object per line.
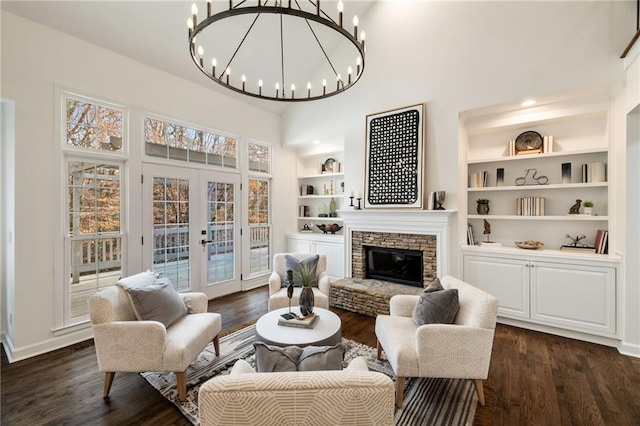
{"x":427,"y":401}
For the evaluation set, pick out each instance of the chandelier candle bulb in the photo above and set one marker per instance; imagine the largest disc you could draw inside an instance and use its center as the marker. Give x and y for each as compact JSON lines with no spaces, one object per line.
{"x":260,"y":87}
{"x":324,"y":86}
{"x":208,"y":8}
{"x":318,"y":7}
{"x":358,"y":63}
{"x":349,"y":71}
{"x":194,"y":14}
{"x":244,"y":81}
{"x":355,"y":26}
{"x":277,"y":89}
{"x":362,"y":39}
{"x":340,"y":9}
{"x":201,"y":54}
{"x":190,"y":26}
{"x":308,"y":89}
{"x":214,"y":63}
{"x":293,"y":91}
{"x":228,"y":74}
{"x":230,"y":4}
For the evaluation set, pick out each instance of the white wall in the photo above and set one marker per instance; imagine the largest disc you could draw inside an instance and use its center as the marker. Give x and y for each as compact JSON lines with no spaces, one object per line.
{"x":7,"y":216}
{"x":36,"y":63}
{"x":457,"y":56}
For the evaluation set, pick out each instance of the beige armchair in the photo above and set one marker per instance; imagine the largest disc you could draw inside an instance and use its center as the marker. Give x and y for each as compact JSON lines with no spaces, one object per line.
{"x":459,"y":350}
{"x":124,"y":344}
{"x":278,"y":295}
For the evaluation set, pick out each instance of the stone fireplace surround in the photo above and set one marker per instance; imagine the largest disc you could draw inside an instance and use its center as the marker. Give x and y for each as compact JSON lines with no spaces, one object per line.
{"x":425,"y":230}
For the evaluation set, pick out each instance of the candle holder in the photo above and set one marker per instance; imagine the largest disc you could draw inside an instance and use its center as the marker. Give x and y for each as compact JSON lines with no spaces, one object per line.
{"x":358,"y":207}
{"x":351,"y":201}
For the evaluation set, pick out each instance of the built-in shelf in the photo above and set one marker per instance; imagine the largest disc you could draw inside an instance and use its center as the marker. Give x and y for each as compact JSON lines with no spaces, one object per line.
{"x":543,"y":187}
{"x":569,"y":217}
{"x":332,"y":219}
{"x":538,"y":156}
{"x":321,"y":175}
{"x":320,"y":196}
{"x":540,"y":253}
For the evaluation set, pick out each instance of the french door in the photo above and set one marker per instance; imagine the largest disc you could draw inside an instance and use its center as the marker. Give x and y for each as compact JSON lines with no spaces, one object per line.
{"x":191,"y":228}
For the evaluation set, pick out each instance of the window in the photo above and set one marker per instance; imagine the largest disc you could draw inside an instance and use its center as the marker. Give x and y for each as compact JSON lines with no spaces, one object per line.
{"x":176,"y":142}
{"x":94,"y":242}
{"x":94,"y":235}
{"x":259,"y":207}
{"x":259,"y":158}
{"x":93,"y":126}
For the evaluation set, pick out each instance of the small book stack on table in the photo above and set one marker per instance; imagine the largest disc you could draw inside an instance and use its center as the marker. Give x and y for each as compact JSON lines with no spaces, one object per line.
{"x":309,"y":321}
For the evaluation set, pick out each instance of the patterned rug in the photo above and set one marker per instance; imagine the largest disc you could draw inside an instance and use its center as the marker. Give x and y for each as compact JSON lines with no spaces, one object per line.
{"x":426,"y":401}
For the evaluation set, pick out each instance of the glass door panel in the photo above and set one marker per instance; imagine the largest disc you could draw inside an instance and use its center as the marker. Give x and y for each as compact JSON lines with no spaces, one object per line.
{"x":221,"y":242}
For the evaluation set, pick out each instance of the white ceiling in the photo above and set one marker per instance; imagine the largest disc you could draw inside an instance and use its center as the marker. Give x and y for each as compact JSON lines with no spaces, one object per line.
{"x":155,"y":33}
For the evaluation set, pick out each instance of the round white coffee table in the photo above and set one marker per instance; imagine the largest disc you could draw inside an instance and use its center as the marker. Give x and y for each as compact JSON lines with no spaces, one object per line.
{"x":328,"y":330}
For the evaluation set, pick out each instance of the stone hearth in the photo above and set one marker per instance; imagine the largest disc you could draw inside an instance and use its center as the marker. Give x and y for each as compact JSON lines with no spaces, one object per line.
{"x":367,"y":297}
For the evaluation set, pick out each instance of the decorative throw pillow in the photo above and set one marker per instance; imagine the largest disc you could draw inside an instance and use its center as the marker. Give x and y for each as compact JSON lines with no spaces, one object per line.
{"x":293,"y":358}
{"x":273,"y":358}
{"x":436,"y":305}
{"x":319,"y":358}
{"x":141,"y":279}
{"x":308,"y":264}
{"x":158,"y":303}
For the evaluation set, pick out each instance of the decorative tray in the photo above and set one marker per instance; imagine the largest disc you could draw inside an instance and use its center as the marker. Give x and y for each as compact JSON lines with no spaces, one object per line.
{"x":529,"y":244}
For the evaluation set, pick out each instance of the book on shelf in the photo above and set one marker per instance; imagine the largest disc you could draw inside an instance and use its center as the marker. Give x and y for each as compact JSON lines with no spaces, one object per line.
{"x":578,"y":249}
{"x":602,"y":240}
{"x":594,"y":172}
{"x":470,"y":240}
{"x":489,"y":244}
{"x":300,"y":322}
{"x":478,"y":179}
{"x":530,"y":206}
{"x":547,"y":144}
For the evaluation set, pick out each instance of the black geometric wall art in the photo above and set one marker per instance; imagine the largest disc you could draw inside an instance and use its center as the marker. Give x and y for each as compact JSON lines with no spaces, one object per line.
{"x":395,"y":158}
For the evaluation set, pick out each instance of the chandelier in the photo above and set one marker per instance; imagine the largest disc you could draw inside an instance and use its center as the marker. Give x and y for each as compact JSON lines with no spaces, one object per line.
{"x":278,"y":85}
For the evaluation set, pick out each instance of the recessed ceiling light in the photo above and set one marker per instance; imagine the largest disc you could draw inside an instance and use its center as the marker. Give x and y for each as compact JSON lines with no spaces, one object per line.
{"x":528,"y":103}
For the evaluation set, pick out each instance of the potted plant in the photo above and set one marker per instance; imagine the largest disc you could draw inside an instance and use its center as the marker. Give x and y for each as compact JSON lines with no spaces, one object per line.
{"x":588,"y":207}
{"x":306,"y":275}
{"x":483,"y":206}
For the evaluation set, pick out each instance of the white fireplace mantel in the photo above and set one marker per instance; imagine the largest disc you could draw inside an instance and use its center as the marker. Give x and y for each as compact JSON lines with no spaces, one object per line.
{"x":427,"y":222}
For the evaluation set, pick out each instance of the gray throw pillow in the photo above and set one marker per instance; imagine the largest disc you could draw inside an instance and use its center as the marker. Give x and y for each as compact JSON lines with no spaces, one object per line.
{"x":274,"y":358}
{"x":293,"y":358}
{"x":436,"y":305}
{"x":310,"y":263}
{"x":158,"y":303}
{"x":319,"y":358}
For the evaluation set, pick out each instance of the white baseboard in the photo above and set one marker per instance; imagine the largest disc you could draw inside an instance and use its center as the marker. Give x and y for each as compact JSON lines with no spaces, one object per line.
{"x":17,"y":354}
{"x":629,"y":349}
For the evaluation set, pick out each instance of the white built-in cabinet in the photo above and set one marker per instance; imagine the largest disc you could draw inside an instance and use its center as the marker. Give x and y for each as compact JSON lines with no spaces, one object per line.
{"x":548,"y":289}
{"x":576,"y":294}
{"x":332,"y":246}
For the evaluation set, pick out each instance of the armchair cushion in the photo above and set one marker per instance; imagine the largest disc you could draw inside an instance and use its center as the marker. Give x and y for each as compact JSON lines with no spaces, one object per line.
{"x":297,"y":265}
{"x":293,"y":358}
{"x":157,"y":303}
{"x":436,"y":305}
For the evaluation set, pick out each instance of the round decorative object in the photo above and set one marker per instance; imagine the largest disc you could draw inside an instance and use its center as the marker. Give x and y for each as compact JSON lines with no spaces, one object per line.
{"x":306,"y":301}
{"x":529,"y":141}
{"x":529,"y":244}
{"x":328,"y":165}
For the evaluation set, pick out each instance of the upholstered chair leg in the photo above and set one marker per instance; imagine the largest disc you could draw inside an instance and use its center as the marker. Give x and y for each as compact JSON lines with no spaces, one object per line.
{"x":479,"y":390}
{"x":379,"y":349}
{"x":216,"y":345}
{"x":108,"y":380}
{"x":181,"y":378}
{"x":399,"y":391}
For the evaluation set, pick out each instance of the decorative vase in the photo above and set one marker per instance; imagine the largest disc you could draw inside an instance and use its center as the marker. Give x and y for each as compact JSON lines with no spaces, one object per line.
{"x":483,"y":208}
{"x":306,"y":301}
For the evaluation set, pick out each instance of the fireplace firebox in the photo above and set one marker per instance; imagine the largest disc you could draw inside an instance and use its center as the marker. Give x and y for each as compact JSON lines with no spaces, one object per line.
{"x":395,"y":265}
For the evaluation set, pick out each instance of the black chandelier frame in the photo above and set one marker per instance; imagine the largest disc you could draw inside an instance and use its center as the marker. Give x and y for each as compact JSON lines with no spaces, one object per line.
{"x":277,"y":9}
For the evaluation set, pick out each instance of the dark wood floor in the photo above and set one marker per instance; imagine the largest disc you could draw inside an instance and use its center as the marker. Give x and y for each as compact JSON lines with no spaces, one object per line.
{"x":534,"y":379}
